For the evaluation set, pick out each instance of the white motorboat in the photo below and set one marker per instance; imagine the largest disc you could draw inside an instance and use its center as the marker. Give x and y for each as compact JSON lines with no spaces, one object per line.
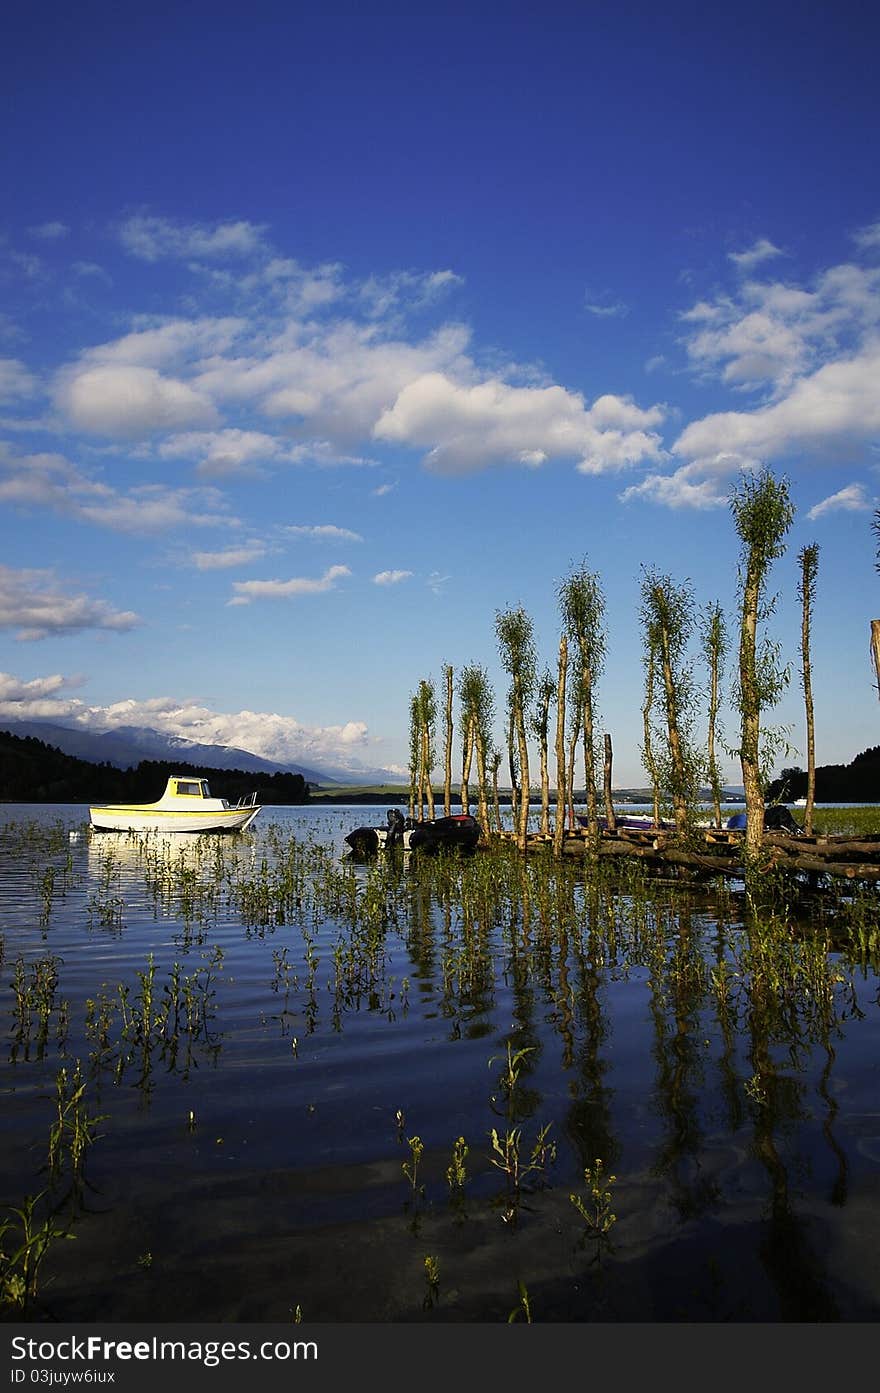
{"x":185,"y":806}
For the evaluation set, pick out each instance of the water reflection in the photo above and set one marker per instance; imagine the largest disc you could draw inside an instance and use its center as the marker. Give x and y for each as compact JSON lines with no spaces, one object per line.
{"x":288,"y":1002}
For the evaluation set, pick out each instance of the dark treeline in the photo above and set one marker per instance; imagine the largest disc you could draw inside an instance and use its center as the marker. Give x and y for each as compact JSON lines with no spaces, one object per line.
{"x":856,"y":782}
{"x":34,"y":772}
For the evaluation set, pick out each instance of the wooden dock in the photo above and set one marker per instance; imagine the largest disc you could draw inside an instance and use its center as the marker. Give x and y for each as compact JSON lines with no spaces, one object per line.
{"x":711,"y":852}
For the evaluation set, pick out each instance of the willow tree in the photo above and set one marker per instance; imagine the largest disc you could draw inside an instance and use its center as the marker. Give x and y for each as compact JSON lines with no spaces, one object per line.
{"x":875,"y":623}
{"x":447,"y":744}
{"x":667,"y":614}
{"x":582,"y":607}
{"x":809,"y":562}
{"x":763,"y":513}
{"x":494,"y":765}
{"x":540,"y":728}
{"x":427,"y":704}
{"x":561,"y":779}
{"x":512,"y":768}
{"x":516,"y":645}
{"x":649,"y":758}
{"x":415,"y":742}
{"x":477,"y":706}
{"x":713,"y":636}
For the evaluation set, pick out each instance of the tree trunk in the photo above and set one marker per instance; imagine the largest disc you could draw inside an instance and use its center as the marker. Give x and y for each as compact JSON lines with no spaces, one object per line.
{"x":429,"y":787}
{"x":447,"y":782}
{"x":524,"y":782}
{"x":545,"y":786}
{"x":511,"y":764}
{"x":589,"y":757}
{"x":572,"y":751}
{"x":811,"y":728}
{"x":610,"y":819}
{"x":482,"y":787}
{"x":713,"y":768}
{"x":875,"y":649}
{"x":467,"y":754}
{"x":676,"y":756}
{"x":751,"y":715}
{"x":561,"y":780}
{"x":650,"y":762}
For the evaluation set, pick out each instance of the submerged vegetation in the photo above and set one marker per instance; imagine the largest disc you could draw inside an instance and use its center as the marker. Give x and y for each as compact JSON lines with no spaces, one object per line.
{"x":425,"y":1056}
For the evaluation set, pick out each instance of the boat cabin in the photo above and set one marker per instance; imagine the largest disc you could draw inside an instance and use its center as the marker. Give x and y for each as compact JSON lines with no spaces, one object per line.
{"x":180,"y":787}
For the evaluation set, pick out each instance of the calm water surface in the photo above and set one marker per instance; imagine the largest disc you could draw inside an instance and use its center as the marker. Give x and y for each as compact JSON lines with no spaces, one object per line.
{"x":271,"y":1033}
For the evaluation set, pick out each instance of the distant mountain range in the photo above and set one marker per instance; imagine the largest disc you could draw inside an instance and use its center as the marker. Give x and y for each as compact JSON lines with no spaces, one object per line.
{"x":126,"y":746}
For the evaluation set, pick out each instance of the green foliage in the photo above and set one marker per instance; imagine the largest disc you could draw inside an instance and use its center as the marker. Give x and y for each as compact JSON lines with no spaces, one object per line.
{"x":411,"y":1168}
{"x":22,"y":1256}
{"x":456,"y":1174}
{"x":763,"y":513}
{"x":522,"y":1310}
{"x":667,"y":614}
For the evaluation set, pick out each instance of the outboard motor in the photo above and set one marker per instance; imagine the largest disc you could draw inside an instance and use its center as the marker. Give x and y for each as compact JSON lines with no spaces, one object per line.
{"x":396,"y":824}
{"x":777,"y":818}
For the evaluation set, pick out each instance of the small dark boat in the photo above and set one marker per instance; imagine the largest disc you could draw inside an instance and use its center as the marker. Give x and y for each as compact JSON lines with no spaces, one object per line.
{"x":777,"y":818}
{"x":460,"y":832}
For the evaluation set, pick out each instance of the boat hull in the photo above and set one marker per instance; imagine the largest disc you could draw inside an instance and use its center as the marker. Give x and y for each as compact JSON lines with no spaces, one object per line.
{"x":119,"y":819}
{"x":459,"y":832}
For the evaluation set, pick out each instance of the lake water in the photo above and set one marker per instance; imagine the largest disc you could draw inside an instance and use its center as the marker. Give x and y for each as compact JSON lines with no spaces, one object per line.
{"x":284,"y":1048}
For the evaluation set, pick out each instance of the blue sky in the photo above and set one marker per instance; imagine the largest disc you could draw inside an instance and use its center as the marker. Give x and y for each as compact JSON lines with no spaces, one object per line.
{"x":325,"y":334}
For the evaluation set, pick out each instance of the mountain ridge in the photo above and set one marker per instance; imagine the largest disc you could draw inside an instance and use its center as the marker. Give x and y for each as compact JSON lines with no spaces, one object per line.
{"x":126,"y":746}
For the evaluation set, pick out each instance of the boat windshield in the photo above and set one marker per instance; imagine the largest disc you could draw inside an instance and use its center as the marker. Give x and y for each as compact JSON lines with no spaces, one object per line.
{"x":192,"y":788}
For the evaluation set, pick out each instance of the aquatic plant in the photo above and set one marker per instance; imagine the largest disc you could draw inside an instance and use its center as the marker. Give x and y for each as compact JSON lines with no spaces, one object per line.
{"x":22,"y":1255}
{"x":411,"y":1168}
{"x":523,"y":1308}
{"x":596,"y":1208}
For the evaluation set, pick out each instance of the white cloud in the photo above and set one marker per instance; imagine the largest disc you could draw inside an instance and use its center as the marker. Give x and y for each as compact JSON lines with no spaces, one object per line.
{"x":14,"y":689}
{"x":868,"y":238}
{"x":852,"y":499}
{"x":325,"y":532}
{"x":772,"y":333}
{"x":248,"y":590}
{"x":231,"y":556}
{"x":815,"y":356}
{"x":128,"y":401}
{"x":91,"y":270}
{"x":34,"y":603}
{"x":50,"y":231}
{"x":762,"y":250}
{"x":226,"y":453}
{"x":607,"y":309}
{"x":152,"y":238}
{"x":16,"y":382}
{"x":167,"y":343}
{"x":385,"y":295}
{"x":155,"y":508}
{"x":331,"y":381}
{"x":838,"y":403}
{"x":466,"y":427}
{"x":50,"y":481}
{"x":267,"y":733}
{"x":702,"y":485}
{"x":391,"y":577}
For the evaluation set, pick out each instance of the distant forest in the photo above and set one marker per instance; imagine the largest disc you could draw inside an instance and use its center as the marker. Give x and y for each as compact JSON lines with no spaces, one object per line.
{"x":33,"y":772}
{"x":856,"y":782}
